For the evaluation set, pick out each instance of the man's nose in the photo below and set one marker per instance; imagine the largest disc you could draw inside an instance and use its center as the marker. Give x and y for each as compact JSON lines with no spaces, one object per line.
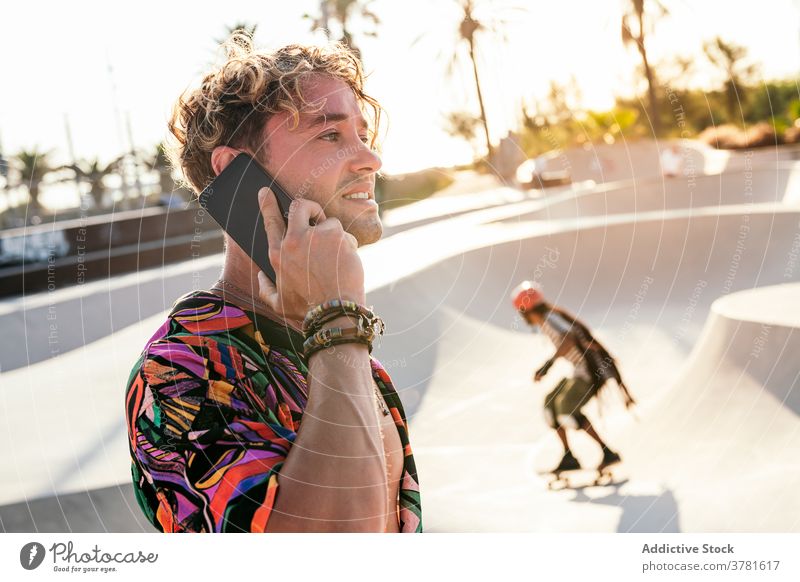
{"x":365,"y":160}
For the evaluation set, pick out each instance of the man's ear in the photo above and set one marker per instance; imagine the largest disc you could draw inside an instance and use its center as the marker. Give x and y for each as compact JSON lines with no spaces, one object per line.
{"x":221,"y":156}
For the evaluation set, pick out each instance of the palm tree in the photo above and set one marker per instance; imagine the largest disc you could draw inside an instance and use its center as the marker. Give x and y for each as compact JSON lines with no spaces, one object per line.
{"x":4,"y":186}
{"x":93,"y":172}
{"x":3,"y":172}
{"x":342,"y":13}
{"x":728,"y":57}
{"x":32,"y":166}
{"x":3,"y":167}
{"x":467,"y":29}
{"x":639,"y":20}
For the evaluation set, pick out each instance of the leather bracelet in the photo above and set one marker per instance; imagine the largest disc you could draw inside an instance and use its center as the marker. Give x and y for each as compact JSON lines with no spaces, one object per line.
{"x":340,"y":306}
{"x":330,"y":310}
{"x":373,"y":322}
{"x":328,"y":337}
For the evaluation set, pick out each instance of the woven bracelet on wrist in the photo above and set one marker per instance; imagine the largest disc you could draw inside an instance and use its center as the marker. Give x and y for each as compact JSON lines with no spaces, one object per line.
{"x":336,"y":342}
{"x":331,"y":310}
{"x":375,"y":323}
{"x":326,"y":338}
{"x":339,"y":306}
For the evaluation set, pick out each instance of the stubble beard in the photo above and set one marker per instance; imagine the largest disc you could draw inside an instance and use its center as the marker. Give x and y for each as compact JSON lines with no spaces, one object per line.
{"x":366,"y":229}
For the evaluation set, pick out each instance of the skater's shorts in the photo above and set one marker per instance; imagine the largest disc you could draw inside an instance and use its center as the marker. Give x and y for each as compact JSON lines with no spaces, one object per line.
{"x":562,"y":406}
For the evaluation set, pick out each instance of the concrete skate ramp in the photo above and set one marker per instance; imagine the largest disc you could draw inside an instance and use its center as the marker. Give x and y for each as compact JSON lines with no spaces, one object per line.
{"x":766,"y":175}
{"x":656,"y":272}
{"x":772,"y":318}
{"x":640,"y":159}
{"x":753,"y":185}
{"x":40,"y":326}
{"x":632,"y":159}
{"x":462,"y":360}
{"x":730,"y":423}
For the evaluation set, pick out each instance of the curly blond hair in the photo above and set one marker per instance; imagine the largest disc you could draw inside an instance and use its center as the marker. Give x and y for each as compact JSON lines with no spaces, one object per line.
{"x":234,"y":101}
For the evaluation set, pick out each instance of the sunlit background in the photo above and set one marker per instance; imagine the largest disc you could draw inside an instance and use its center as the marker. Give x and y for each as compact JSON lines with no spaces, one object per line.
{"x":98,"y":66}
{"x":91,"y":87}
{"x":640,"y":159}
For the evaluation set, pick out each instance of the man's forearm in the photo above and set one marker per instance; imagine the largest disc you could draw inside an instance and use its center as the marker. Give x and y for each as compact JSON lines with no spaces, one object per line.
{"x":334,"y":477}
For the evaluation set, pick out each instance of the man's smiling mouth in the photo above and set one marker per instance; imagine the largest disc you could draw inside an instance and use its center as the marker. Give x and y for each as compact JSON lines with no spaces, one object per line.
{"x":358,"y":196}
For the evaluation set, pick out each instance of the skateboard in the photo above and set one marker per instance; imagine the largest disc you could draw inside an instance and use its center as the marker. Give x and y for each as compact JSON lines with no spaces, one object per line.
{"x":580,"y":478}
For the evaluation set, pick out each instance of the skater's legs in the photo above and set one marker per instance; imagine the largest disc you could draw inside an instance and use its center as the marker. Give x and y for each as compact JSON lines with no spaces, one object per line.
{"x":562,"y":435}
{"x":587,"y":426}
{"x":609,"y":457}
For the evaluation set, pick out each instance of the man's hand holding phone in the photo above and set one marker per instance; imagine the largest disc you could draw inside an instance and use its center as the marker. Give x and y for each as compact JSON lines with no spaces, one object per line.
{"x":314,"y":258}
{"x":335,"y":476}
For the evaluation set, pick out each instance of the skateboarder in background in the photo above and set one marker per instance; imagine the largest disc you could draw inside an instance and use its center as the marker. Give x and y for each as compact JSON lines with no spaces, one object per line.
{"x":593,"y":367}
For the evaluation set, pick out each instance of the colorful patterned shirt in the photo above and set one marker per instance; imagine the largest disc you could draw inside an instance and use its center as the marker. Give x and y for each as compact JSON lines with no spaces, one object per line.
{"x":213,"y":405}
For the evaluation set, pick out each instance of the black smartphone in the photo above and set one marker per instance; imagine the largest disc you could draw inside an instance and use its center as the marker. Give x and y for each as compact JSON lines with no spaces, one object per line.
{"x":232,"y":201}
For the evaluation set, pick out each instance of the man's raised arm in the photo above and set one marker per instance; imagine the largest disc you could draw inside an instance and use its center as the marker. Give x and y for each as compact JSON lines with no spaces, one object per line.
{"x":334,"y":477}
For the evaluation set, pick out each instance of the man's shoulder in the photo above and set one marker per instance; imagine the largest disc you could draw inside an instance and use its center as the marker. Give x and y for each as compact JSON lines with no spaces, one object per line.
{"x":204,"y":313}
{"x":180,"y":345}
{"x":189,"y":363}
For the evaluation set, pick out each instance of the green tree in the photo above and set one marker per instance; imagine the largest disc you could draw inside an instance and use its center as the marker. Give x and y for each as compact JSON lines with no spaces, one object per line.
{"x":32,"y":166}
{"x":94,"y":173}
{"x":637,"y":25}
{"x":555,"y":121}
{"x":463,"y":125}
{"x":3,"y":172}
{"x":609,"y":125}
{"x":160,"y":163}
{"x":730,"y":59}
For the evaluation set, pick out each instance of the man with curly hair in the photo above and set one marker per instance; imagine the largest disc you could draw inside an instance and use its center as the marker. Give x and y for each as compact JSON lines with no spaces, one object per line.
{"x":233,"y":424}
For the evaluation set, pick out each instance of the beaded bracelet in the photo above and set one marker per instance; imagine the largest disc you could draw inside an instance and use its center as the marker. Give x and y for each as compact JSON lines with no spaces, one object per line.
{"x":325,"y":312}
{"x":326,"y":338}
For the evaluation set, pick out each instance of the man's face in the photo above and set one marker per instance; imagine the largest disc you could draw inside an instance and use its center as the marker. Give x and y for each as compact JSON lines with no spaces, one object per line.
{"x":327,"y":157}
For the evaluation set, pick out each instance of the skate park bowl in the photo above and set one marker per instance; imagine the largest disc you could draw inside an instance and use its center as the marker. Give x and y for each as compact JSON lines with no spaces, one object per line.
{"x":697,"y":301}
{"x":630,"y":181}
{"x":640,"y":159}
{"x":463,"y":361}
{"x":753,"y":185}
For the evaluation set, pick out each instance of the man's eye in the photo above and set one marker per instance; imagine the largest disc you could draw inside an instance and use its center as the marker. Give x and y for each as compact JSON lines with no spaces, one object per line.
{"x":365,"y":139}
{"x":332,"y":136}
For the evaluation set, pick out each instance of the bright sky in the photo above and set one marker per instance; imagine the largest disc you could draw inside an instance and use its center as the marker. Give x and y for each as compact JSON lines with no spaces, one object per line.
{"x":56,"y":58}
